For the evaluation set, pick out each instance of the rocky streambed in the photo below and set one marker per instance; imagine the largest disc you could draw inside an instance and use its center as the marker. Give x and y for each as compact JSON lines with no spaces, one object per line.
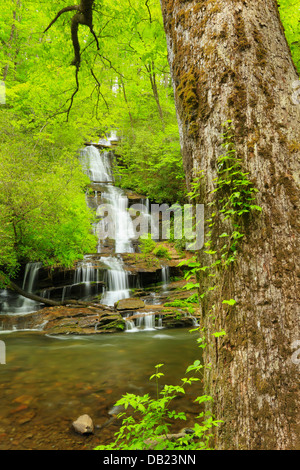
{"x":96,"y":319}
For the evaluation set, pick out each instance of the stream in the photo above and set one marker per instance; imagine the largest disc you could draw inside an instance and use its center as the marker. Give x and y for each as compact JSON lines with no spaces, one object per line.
{"x":49,"y":381}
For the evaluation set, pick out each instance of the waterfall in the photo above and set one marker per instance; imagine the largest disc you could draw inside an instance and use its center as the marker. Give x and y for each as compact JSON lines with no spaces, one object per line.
{"x":66,"y":293}
{"x":165,"y":276}
{"x":98,"y":166}
{"x":95,"y":165}
{"x":144,"y":322}
{"x":116,"y":280}
{"x":85,"y":273}
{"x":15,"y":304}
{"x":121,"y":226}
{"x":147,"y":321}
{"x":118,"y":226}
{"x":30,"y":276}
{"x":115,"y":225}
{"x":130,"y":326}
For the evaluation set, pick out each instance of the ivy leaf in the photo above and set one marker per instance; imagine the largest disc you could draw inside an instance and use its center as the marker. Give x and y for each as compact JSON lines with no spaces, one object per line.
{"x":229,"y":302}
{"x":219,"y":333}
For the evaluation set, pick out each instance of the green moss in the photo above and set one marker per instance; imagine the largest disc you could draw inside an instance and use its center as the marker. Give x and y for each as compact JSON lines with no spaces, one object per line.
{"x":237,"y":100}
{"x":117,"y":324}
{"x":261,"y":52}
{"x":239,"y":26}
{"x":290,"y":188}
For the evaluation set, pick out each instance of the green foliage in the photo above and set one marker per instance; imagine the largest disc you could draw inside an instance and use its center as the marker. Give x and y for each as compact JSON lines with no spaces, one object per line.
{"x":124,"y":85}
{"x":180,"y":245}
{"x":161,"y":252}
{"x":43,"y":209}
{"x":147,"y":245}
{"x":236,"y":196}
{"x":229,"y":302}
{"x":290,"y":14}
{"x":235,"y":200}
{"x":148,"y":425}
{"x":151,"y":162}
{"x":193,"y":299}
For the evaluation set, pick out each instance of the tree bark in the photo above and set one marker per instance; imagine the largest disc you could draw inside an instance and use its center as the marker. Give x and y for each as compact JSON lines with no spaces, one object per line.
{"x":230,"y":60}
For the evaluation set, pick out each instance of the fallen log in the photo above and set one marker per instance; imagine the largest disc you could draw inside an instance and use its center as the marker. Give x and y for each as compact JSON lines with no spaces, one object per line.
{"x":52,"y":303}
{"x":31,"y":296}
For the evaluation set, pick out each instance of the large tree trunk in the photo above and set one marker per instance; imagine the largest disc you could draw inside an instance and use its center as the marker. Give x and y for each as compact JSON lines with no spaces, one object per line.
{"x":230,"y":60}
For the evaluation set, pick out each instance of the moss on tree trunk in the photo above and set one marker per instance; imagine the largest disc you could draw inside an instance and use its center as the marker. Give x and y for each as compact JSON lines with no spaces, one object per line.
{"x":230,"y":60}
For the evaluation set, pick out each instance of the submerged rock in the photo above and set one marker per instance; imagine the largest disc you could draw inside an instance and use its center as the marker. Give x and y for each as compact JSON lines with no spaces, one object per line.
{"x":83,"y":425}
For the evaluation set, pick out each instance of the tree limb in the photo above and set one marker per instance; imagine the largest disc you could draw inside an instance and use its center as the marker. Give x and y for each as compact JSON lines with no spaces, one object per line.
{"x":36,"y":298}
{"x":64,"y":10}
{"x":83,"y":16}
{"x":52,"y":303}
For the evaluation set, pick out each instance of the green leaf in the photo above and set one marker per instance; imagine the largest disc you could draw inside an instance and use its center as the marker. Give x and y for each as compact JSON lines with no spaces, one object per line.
{"x":229,"y":302}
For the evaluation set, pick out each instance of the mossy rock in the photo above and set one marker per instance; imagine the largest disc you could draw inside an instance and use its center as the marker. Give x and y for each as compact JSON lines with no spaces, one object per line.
{"x":129,"y":304}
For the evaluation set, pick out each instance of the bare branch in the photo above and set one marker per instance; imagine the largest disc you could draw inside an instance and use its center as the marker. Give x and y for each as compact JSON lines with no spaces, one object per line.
{"x":98,"y":86}
{"x":64,"y":10}
{"x":83,"y":16}
{"x":74,"y":93}
{"x":149,"y":11}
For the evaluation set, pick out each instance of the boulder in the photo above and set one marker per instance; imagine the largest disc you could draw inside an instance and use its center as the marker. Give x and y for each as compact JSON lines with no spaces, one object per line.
{"x":83,"y":425}
{"x":129,"y":304}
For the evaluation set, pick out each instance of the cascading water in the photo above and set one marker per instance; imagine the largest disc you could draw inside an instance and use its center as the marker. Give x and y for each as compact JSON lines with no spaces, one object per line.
{"x":14,"y":304}
{"x":86,"y":274}
{"x":98,"y":167}
{"x":121,"y":227}
{"x":116,"y":279}
{"x":30,"y":276}
{"x":143,"y":322}
{"x":165,"y":277}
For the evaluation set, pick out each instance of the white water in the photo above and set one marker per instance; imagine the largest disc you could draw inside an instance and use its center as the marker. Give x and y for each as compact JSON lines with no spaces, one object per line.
{"x":118,"y":225}
{"x":116,"y":221}
{"x":98,"y":169}
{"x":144,"y":322}
{"x":15,"y":304}
{"x":165,"y":277}
{"x":116,"y":279}
{"x":121,"y":226}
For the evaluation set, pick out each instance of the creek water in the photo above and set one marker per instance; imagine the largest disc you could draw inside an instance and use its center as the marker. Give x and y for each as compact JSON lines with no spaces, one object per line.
{"x":49,"y":381}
